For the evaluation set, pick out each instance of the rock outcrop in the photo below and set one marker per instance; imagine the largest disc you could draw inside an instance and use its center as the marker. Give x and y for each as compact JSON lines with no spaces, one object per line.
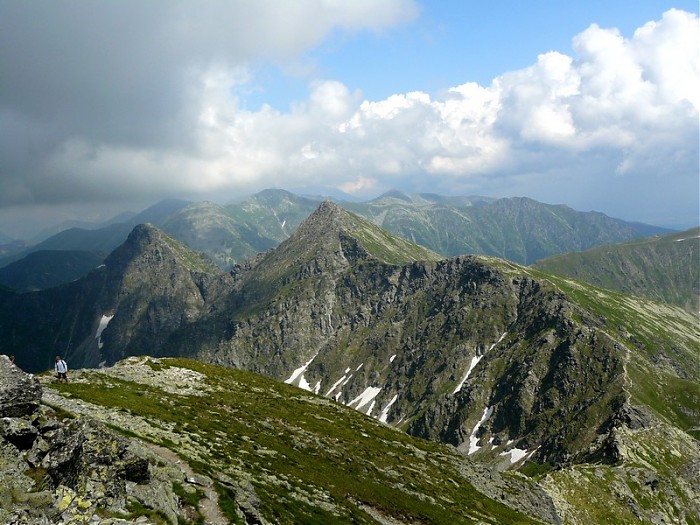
{"x":20,"y":394}
{"x":74,"y":471}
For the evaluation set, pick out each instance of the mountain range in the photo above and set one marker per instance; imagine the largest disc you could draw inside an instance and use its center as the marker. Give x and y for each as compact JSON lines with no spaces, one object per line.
{"x":522,"y":230}
{"x":587,"y":390}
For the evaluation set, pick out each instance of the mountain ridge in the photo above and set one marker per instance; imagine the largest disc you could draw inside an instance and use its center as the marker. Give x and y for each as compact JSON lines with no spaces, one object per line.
{"x":665,"y":268}
{"x":45,"y":269}
{"x":513,"y":366}
{"x":245,"y":448}
{"x":519,"y":229}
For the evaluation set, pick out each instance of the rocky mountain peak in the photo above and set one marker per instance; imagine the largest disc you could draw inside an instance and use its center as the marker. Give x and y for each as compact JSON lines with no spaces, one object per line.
{"x":328,"y":216}
{"x":330,"y":241}
{"x":143,"y":237}
{"x":147,"y":245}
{"x":143,"y":233}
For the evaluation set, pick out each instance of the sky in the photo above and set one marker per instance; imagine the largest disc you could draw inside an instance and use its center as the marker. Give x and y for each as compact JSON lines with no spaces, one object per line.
{"x":114,"y":105}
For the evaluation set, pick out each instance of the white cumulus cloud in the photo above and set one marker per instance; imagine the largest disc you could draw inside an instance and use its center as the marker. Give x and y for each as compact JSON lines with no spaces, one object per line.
{"x":618,"y":117}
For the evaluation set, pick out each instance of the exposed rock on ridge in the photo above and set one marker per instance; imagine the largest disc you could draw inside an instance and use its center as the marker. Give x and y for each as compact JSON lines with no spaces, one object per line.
{"x":76,"y":471}
{"x":20,"y":394}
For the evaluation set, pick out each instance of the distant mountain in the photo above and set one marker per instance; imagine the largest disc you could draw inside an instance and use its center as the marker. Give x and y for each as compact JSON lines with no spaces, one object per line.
{"x":513,"y":366}
{"x":100,"y":240}
{"x":521,"y":230}
{"x":84,"y":225}
{"x":664,"y":268}
{"x":518,"y":229}
{"x":45,"y":269}
{"x":211,"y":229}
{"x":159,"y":212}
{"x":273,"y":215}
{"x":9,"y":250}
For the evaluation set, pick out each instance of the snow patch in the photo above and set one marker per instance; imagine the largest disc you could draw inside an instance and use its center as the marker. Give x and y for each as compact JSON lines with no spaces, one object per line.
{"x":371,"y":407}
{"x":317,"y":388}
{"x":473,"y":440}
{"x":358,"y":368}
{"x":516,"y":454}
{"x":340,"y":383}
{"x":335,"y":385}
{"x":101,"y":327}
{"x":475,"y":361}
{"x":688,"y":238}
{"x":391,"y":359}
{"x":303,"y":383}
{"x":299,"y":373}
{"x":385,"y":413}
{"x":365,"y":397}
{"x":499,"y":340}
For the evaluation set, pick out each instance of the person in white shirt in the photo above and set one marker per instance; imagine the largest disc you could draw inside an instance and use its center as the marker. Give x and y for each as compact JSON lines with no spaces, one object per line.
{"x":61,"y":369}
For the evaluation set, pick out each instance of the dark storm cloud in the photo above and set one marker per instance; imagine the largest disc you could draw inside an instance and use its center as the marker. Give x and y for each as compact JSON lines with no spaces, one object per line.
{"x":126,"y":74}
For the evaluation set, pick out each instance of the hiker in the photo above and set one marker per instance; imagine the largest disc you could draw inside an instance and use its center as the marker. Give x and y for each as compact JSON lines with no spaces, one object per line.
{"x":12,"y":359}
{"x":61,"y":370}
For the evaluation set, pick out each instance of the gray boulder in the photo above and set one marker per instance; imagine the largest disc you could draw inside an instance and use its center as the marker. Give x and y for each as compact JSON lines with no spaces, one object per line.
{"x":18,"y":431}
{"x":20,"y":393}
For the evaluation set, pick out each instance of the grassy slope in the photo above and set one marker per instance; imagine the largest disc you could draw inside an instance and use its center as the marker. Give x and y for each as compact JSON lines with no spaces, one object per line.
{"x":663,"y":268}
{"x":308,"y":459}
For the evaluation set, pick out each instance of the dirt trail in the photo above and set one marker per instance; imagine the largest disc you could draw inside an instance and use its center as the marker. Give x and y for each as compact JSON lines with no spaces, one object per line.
{"x":209,"y":505}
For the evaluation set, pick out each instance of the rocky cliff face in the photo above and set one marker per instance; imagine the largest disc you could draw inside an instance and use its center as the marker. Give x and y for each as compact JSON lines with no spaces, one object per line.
{"x":147,"y":288}
{"x":433,"y":347}
{"x":430,"y":346}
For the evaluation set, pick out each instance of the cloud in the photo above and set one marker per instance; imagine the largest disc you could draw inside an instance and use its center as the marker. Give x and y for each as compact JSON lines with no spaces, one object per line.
{"x":158,"y":106}
{"x":89,"y":83}
{"x":616,"y":106}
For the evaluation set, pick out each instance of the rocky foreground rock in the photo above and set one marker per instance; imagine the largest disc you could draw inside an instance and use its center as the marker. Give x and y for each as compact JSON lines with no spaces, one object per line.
{"x":73,"y":471}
